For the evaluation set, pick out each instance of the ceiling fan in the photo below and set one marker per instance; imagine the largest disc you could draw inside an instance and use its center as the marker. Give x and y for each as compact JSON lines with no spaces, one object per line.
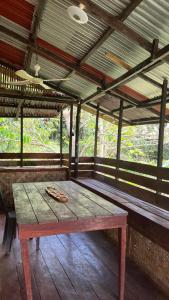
{"x":28,"y":79}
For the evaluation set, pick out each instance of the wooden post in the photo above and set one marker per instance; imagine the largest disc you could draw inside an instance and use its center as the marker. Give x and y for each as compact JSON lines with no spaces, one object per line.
{"x":96,"y":131}
{"x":21,"y":137}
{"x":161,"y":132}
{"x":162,"y":124}
{"x":96,"y":134}
{"x":119,"y":137}
{"x":77,"y":139}
{"x":61,"y":138}
{"x":70,"y":140}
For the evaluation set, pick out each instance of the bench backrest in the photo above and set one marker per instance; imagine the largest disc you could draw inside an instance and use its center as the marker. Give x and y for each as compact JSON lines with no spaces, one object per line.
{"x":146,"y":182}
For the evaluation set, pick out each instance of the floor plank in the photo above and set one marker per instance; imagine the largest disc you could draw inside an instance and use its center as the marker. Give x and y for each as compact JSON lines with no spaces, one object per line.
{"x":81,"y":266}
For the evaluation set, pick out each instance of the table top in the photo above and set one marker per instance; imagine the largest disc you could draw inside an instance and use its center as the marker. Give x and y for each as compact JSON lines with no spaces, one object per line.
{"x":34,"y":206}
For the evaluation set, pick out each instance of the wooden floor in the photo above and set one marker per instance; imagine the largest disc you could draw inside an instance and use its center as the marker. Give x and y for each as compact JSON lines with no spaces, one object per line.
{"x":70,"y":267}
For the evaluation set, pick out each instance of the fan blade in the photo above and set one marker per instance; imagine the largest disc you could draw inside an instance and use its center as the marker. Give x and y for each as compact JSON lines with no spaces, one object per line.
{"x":46,"y":87}
{"x":56,"y":79}
{"x":23,"y":74}
{"x":24,"y":82}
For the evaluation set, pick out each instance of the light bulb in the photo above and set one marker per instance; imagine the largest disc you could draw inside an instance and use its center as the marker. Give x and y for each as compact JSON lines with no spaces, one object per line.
{"x":37,"y":69}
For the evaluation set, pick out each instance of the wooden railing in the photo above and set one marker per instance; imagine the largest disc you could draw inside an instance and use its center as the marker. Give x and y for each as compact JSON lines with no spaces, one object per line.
{"x":146,"y":182}
{"x":32,"y":159}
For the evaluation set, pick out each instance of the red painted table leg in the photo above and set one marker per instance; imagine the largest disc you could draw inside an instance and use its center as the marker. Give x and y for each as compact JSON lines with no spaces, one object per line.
{"x":122,"y":262}
{"x":26,"y":268}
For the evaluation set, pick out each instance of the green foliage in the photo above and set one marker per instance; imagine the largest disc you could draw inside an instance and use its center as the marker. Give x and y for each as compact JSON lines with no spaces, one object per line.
{"x":139,"y":143}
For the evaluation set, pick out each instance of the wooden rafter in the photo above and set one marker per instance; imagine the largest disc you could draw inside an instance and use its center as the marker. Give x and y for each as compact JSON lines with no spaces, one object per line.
{"x":72,"y":68}
{"x":32,"y":39}
{"x":143,"y":66}
{"x":54,"y":99}
{"x":126,"y":12}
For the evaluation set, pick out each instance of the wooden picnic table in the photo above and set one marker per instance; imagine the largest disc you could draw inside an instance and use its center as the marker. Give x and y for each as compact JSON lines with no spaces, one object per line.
{"x":38,"y":215}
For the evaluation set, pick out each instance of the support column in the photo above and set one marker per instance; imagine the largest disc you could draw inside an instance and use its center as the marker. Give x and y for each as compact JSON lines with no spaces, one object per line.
{"x":77,"y":139}
{"x":96,"y":131}
{"x":21,"y":137}
{"x":61,"y":138}
{"x":162,"y":124}
{"x":119,"y":137}
{"x":70,"y":140}
{"x":96,"y":135}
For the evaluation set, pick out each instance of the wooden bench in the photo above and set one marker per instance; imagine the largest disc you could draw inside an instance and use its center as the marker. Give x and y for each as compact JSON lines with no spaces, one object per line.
{"x":145,"y":216}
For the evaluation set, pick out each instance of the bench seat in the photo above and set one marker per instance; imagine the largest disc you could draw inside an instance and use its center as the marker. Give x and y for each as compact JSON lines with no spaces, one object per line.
{"x":148,"y":219}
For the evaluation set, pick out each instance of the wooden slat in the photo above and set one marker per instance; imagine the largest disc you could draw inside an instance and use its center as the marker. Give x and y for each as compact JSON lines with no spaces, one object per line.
{"x":41,"y":162}
{"x":148,"y":206}
{"x":104,"y":178}
{"x":154,"y":228}
{"x":106,"y":170}
{"x":30,"y":155}
{"x":84,"y":159}
{"x":41,"y":209}
{"x":94,"y":198}
{"x":137,"y":179}
{"x":85,"y":173}
{"x":34,"y":169}
{"x":62,"y":212}
{"x":163,"y":187}
{"x":9,"y":163}
{"x":82,"y":197}
{"x":138,"y":167}
{"x":23,"y":207}
{"x":83,"y":167}
{"x":79,"y":211}
{"x":163,"y":173}
{"x":141,"y":193}
{"x":106,"y":161}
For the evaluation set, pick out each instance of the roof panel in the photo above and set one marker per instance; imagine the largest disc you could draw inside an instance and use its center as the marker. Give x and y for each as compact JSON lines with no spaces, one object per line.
{"x":151,"y":20}
{"x":48,"y":68}
{"x":18,"y":11}
{"x":15,"y":27}
{"x":144,"y":87}
{"x":59,"y":30}
{"x":135,"y":113}
{"x":121,"y":46}
{"x":115,"y":7}
{"x":79,"y":86}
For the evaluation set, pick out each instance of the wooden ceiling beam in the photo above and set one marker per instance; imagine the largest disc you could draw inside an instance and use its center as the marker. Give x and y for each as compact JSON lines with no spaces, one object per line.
{"x":104,"y":111}
{"x":41,"y":98}
{"x":37,"y":17}
{"x":38,"y":12}
{"x":63,"y":63}
{"x":125,"y":13}
{"x":28,"y":106}
{"x":115,"y":23}
{"x":143,"y":66}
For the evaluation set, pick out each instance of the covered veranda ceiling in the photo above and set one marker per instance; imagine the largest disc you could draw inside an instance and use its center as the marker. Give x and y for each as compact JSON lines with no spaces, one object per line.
{"x":126,"y":29}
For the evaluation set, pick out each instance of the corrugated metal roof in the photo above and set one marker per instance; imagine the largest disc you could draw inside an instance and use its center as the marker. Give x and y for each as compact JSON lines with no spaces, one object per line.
{"x":115,"y":7}
{"x":9,"y":107}
{"x":143,"y":87}
{"x":48,"y":68}
{"x":79,"y":86}
{"x":14,"y":26}
{"x":121,"y":46}
{"x":13,"y":42}
{"x":110,"y":102}
{"x":59,"y":30}
{"x":135,"y":113}
{"x":151,"y":20}
{"x":160,"y":72}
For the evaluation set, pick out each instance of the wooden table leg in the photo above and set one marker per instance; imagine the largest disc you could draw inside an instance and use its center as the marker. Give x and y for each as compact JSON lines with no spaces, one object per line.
{"x":26,"y":268}
{"x":122,"y":241}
